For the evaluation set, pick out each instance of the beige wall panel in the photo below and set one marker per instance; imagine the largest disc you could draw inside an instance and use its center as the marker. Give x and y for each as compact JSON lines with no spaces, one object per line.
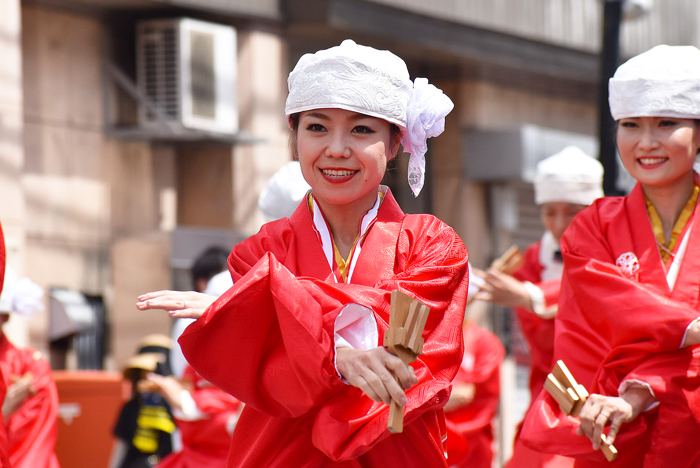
{"x":488,"y":106}
{"x":62,"y":67}
{"x":63,"y":150}
{"x":11,"y":160}
{"x":263,"y":70}
{"x":11,"y":53}
{"x":69,"y":209}
{"x":133,"y":198}
{"x":139,"y":265}
{"x":204,"y":186}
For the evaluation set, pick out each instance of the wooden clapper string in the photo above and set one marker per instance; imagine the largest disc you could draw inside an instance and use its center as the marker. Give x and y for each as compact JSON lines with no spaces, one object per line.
{"x":404,"y":339}
{"x":571,"y":396}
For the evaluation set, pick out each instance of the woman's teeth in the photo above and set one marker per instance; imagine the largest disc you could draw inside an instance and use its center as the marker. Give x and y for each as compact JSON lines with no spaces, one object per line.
{"x":651,"y":161}
{"x":337,"y":173}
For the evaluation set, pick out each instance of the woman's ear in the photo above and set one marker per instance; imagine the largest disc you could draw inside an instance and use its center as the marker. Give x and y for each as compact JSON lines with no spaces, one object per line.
{"x":395,"y":144}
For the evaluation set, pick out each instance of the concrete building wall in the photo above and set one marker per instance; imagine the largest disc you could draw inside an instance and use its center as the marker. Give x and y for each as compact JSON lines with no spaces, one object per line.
{"x":99,"y":210}
{"x":12,"y":208}
{"x":487,"y":106}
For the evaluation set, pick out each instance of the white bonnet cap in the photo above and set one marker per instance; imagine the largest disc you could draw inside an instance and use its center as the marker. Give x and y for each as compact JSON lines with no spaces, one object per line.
{"x":376,"y":83}
{"x":283,"y":193}
{"x":570,"y":176}
{"x":20,"y":295}
{"x":661,"y":82}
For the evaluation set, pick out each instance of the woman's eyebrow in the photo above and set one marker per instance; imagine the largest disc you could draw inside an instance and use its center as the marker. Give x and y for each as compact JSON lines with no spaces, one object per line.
{"x":318,"y":115}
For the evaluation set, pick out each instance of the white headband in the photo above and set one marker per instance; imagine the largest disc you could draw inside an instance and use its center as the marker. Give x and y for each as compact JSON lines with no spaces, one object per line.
{"x":376,"y":83}
{"x":570,"y":176}
{"x":661,"y":82}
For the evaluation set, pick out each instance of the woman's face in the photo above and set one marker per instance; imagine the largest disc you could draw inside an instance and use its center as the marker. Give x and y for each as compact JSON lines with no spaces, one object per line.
{"x":343,"y":154}
{"x":556,"y":216}
{"x":658,"y":151}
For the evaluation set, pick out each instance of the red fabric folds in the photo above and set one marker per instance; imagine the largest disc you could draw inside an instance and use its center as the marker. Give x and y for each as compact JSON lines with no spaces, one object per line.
{"x":33,"y":428}
{"x":617,"y":323}
{"x":470,"y":434}
{"x":269,"y":342}
{"x":205,"y":442}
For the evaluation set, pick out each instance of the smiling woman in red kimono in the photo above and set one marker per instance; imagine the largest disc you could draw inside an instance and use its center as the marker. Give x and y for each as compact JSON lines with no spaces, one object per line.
{"x":628,"y":325}
{"x":297,"y":338}
{"x":4,"y":441}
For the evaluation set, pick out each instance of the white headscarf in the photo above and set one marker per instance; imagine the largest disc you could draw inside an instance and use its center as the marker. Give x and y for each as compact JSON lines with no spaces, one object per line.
{"x":570,"y":176}
{"x":661,"y":82}
{"x":376,"y":83}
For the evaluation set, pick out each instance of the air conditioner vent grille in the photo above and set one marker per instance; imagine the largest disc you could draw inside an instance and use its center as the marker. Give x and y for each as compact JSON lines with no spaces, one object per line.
{"x":161,"y":58}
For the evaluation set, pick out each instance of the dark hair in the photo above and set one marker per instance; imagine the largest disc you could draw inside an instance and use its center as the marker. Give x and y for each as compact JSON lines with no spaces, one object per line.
{"x":210,"y":262}
{"x":294,"y":118}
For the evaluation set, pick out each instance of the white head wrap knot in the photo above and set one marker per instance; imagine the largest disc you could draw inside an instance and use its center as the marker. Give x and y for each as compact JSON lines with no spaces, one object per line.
{"x":661,"y":82}
{"x":376,"y":83}
{"x":570,"y":176}
{"x":20,"y":295}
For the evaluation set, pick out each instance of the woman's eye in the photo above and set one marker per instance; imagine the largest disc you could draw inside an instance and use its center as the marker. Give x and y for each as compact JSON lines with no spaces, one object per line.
{"x":668,"y":123}
{"x":315,"y":127}
{"x":628,"y":124}
{"x":362,"y":129}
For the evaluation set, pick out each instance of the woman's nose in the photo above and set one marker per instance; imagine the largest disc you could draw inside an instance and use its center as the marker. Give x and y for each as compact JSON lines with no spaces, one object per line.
{"x":337,"y":147}
{"x":648,"y":139}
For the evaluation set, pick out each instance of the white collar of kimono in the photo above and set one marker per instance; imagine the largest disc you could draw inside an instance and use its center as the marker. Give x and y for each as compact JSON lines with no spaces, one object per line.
{"x":324,"y":234}
{"x":552,"y":269}
{"x":672,"y":273}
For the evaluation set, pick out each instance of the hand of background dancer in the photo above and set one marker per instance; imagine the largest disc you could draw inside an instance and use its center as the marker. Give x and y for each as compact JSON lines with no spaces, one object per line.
{"x":170,"y":388}
{"x":178,"y":304}
{"x":375,"y":372}
{"x":502,"y":289}
{"x":599,"y":411}
{"x":462,"y":395}
{"x":17,"y":393}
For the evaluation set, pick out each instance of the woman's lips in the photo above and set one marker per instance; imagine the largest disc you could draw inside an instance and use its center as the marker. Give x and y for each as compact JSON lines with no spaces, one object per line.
{"x":651,"y":162}
{"x":338,"y":175}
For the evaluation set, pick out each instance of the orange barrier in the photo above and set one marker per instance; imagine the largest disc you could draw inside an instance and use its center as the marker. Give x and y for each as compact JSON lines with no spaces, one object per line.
{"x":89,"y":405}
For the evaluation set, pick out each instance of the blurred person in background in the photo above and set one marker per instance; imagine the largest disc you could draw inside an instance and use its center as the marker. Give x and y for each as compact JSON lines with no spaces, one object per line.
{"x":475,"y":396}
{"x":301,"y":327}
{"x":30,"y":406}
{"x":628,"y":327}
{"x":565,"y":184}
{"x":206,"y":278}
{"x":145,"y":425}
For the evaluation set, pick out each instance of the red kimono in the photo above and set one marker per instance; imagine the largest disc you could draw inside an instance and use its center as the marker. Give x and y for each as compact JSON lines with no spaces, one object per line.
{"x":269,"y":341}
{"x":539,"y":333}
{"x":469,"y":431}
{"x":619,"y":321}
{"x":4,"y":440}
{"x":33,"y":428}
{"x":206,"y":441}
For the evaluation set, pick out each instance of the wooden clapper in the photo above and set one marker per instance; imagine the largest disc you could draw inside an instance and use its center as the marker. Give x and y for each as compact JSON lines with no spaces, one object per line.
{"x":508,"y":263}
{"x":405,"y":340}
{"x":571,"y":396}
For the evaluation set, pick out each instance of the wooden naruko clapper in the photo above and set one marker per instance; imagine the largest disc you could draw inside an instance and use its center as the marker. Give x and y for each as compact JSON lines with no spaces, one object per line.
{"x":404,"y":339}
{"x":571,"y":396}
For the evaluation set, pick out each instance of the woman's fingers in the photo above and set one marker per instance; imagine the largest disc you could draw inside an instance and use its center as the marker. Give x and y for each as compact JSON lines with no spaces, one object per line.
{"x":375,"y":372}
{"x":178,"y":304}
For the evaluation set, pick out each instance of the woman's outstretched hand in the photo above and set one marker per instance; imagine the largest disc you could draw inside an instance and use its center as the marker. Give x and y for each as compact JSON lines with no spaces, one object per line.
{"x":178,"y":304}
{"x":375,"y":372}
{"x":600,"y":410}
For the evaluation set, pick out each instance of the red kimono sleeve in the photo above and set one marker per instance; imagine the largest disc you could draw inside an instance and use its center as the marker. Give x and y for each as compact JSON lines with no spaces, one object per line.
{"x":33,"y":428}
{"x":269,"y":340}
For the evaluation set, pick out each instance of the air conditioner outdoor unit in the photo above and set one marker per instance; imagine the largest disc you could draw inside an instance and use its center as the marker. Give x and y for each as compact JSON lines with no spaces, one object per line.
{"x":187,"y":71}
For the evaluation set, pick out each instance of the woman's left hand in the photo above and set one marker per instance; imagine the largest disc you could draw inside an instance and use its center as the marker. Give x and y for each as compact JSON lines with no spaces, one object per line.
{"x":503,"y":289}
{"x":600,"y":410}
{"x":178,"y":304}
